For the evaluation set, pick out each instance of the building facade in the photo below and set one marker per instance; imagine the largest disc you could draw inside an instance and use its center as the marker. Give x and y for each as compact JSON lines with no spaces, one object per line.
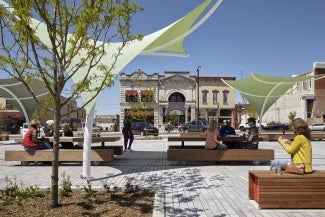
{"x":154,"y":98}
{"x":306,"y":99}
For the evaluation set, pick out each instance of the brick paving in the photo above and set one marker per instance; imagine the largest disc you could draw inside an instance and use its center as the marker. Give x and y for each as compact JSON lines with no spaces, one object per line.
{"x":182,"y":188}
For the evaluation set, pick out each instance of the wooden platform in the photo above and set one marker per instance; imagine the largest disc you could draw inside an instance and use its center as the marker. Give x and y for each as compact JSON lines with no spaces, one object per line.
{"x":198,"y":153}
{"x":67,"y":155}
{"x":284,"y":191}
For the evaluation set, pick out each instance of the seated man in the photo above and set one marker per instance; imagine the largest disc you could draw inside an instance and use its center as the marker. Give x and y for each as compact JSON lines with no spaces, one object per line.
{"x":252,"y":137}
{"x":226,"y":130}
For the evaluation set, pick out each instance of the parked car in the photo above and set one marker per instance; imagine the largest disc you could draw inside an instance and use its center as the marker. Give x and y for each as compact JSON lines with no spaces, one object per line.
{"x":141,"y":128}
{"x":276,"y":126}
{"x":96,"y":130}
{"x":317,"y":127}
{"x":201,"y":125}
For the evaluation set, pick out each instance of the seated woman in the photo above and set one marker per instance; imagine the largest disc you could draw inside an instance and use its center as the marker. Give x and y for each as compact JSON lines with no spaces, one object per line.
{"x":300,"y":148}
{"x":31,"y":140}
{"x":212,"y":141}
{"x":66,"y":131}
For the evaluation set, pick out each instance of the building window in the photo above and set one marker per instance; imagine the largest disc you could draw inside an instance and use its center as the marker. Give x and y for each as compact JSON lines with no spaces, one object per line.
{"x":146,"y":96}
{"x":204,"y":97}
{"x":131,"y":96}
{"x":225,"y":96}
{"x":176,"y":97}
{"x":215,"y":97}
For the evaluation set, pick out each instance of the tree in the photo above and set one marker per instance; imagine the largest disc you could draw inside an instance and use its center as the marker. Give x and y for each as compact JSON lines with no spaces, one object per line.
{"x":77,"y":33}
{"x":291,"y":116}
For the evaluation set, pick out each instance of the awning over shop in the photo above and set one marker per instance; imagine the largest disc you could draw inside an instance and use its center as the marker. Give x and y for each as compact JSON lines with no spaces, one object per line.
{"x":146,"y":93}
{"x":131,"y":93}
{"x":11,"y":115}
{"x":142,"y":113}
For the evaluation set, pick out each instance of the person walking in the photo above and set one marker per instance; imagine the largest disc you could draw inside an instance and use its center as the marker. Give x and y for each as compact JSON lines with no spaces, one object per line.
{"x":127,"y":132}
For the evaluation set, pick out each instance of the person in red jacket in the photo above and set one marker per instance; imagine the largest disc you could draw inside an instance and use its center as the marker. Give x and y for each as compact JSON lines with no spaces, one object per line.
{"x":31,"y":141}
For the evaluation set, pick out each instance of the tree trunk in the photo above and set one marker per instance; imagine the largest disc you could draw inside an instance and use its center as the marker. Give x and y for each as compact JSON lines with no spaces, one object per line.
{"x":55,"y":161}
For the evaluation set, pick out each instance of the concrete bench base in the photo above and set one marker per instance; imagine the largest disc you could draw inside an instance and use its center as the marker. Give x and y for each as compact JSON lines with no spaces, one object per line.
{"x":67,"y":155}
{"x":287,"y":191}
{"x":190,"y":153}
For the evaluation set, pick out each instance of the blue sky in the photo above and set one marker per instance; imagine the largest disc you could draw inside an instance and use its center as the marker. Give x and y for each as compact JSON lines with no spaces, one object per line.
{"x":279,"y":37}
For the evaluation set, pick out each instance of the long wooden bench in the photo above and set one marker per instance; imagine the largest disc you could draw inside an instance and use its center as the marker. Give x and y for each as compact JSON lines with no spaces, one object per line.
{"x":198,"y":153}
{"x":287,"y":191}
{"x":66,"y":155}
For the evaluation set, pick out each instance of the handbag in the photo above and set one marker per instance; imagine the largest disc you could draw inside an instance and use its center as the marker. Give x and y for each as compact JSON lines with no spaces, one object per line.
{"x":295,"y":168}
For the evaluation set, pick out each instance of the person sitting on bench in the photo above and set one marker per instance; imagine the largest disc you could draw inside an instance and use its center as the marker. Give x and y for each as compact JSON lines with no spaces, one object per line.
{"x":66,"y":131}
{"x":252,"y":137}
{"x":212,"y":141}
{"x":227,"y":130}
{"x":31,"y":141}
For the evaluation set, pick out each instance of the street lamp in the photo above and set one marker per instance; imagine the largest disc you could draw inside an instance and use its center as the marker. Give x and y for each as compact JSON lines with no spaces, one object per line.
{"x":198,"y":95}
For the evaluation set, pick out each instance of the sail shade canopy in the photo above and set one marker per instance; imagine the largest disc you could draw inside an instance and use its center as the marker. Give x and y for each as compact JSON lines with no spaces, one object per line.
{"x":261,"y":91}
{"x":17,"y":94}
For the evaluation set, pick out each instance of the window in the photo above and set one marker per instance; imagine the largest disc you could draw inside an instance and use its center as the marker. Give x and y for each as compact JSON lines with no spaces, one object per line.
{"x":131,"y":96}
{"x":215,"y":97}
{"x":176,"y":97}
{"x":204,"y":97}
{"x":225,"y":96}
{"x":146,"y":96}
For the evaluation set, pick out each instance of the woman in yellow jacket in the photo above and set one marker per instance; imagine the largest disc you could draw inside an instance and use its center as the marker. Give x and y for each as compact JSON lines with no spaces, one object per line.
{"x":300,"y":148}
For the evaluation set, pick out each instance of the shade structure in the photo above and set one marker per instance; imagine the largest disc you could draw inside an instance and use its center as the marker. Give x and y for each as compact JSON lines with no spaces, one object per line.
{"x":261,"y":91}
{"x":17,"y":94}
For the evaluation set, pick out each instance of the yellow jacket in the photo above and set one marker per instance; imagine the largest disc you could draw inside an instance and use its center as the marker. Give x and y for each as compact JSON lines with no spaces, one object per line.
{"x":301,"y":151}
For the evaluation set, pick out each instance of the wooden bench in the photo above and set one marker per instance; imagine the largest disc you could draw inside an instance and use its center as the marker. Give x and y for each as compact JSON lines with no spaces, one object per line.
{"x":117,"y":149}
{"x":198,"y":153}
{"x":193,"y":134}
{"x":287,"y":191}
{"x":66,"y":155}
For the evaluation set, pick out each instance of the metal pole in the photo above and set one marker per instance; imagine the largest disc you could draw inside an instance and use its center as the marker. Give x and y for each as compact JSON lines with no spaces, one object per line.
{"x":198,"y":95}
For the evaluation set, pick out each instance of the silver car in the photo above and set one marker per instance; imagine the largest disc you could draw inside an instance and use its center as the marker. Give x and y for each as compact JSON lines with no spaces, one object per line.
{"x":317,"y":127}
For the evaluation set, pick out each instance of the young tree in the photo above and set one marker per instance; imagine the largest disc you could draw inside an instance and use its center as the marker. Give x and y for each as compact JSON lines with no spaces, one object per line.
{"x":76,"y":33}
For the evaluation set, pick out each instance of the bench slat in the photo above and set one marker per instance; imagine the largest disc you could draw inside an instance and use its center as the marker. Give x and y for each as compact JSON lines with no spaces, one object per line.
{"x":64,"y":155}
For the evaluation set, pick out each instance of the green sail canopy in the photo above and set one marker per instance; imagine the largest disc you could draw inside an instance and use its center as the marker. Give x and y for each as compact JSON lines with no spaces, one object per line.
{"x":17,"y":94}
{"x":261,"y":91}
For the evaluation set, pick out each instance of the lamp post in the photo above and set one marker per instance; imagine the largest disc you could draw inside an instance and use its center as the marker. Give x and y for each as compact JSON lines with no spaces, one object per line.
{"x":198,"y":95}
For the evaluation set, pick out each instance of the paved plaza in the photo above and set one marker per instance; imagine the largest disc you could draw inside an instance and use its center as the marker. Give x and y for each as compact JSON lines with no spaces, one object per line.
{"x":182,"y":188}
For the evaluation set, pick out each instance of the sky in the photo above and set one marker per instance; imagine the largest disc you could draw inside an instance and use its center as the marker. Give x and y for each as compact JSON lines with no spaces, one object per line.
{"x":279,"y":37}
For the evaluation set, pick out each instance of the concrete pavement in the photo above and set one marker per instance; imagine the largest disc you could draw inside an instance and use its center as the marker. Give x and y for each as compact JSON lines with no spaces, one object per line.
{"x":182,"y":188}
